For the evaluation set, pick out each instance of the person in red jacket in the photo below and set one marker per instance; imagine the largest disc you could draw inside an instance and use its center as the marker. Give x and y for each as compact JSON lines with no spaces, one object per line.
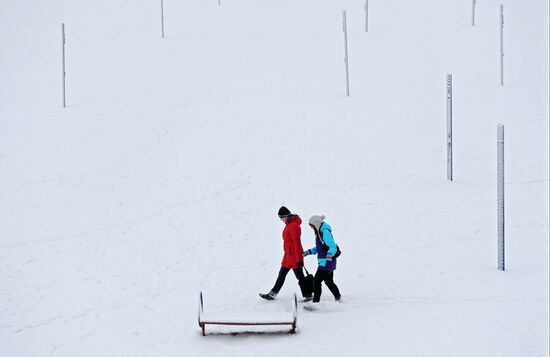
{"x":293,"y":257}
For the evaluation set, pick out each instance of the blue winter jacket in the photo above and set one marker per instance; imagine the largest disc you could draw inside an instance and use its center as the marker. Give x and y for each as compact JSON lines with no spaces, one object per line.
{"x":326,"y":235}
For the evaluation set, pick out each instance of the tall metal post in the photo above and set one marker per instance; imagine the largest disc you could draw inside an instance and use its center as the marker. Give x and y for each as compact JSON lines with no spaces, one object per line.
{"x":63,"y":73}
{"x":501,"y":45}
{"x":366,"y":15}
{"x":346,"y":59}
{"x":500,"y":195}
{"x":473,"y":12}
{"x":449,"y":127}
{"x":162,"y":16}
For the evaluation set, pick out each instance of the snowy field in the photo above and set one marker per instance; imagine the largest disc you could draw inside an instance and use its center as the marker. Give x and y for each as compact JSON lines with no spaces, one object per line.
{"x":163,"y":175}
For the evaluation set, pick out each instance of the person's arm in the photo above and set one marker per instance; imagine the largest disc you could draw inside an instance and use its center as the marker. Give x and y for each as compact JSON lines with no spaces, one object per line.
{"x":311,"y":251}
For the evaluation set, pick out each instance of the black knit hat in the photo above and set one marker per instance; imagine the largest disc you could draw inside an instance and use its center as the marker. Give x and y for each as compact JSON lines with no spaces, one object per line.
{"x":283,"y":212}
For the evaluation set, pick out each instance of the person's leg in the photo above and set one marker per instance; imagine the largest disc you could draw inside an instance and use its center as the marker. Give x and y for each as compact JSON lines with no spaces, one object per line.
{"x":329,"y":281}
{"x":280,"y":280}
{"x":299,"y":272}
{"x":318,"y":279}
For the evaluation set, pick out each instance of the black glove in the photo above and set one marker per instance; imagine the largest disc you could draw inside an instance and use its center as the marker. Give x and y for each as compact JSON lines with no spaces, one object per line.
{"x":300,"y":264}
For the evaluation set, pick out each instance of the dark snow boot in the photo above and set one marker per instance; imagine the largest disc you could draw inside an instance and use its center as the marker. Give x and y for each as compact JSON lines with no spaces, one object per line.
{"x":269,"y":296}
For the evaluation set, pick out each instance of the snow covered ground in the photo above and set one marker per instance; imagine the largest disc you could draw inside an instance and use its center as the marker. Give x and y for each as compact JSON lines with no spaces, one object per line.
{"x":163,"y":175}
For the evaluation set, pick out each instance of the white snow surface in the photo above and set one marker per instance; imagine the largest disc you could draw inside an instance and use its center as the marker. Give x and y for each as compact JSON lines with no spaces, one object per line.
{"x":163,"y":176}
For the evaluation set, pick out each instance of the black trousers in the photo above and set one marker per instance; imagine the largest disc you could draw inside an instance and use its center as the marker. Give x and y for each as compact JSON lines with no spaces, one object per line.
{"x":282,"y":275}
{"x":327,"y":277}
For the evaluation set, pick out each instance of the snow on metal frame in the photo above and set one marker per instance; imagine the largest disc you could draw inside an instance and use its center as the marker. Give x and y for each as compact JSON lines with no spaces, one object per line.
{"x":257,"y":320}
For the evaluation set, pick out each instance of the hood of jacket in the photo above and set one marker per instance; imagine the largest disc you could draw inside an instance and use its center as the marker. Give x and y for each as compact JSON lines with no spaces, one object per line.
{"x":326,"y":227}
{"x":293,"y":219}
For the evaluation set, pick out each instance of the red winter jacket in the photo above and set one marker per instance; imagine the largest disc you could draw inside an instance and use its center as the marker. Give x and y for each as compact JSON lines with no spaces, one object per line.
{"x":292,"y":243}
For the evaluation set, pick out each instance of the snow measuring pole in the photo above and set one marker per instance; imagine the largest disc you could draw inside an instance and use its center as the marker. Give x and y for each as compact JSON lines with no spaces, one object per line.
{"x":500,"y":195}
{"x":473,"y":12}
{"x":449,"y":127}
{"x":63,"y":73}
{"x":162,"y":16}
{"x":501,"y":45}
{"x":346,"y":59}
{"x":366,"y":15}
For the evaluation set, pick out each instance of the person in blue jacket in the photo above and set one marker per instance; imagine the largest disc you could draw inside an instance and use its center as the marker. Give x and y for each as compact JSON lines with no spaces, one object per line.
{"x":325,"y":248}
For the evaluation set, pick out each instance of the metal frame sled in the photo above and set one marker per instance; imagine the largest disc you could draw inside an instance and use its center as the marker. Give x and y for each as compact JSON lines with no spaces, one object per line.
{"x":257,"y":320}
